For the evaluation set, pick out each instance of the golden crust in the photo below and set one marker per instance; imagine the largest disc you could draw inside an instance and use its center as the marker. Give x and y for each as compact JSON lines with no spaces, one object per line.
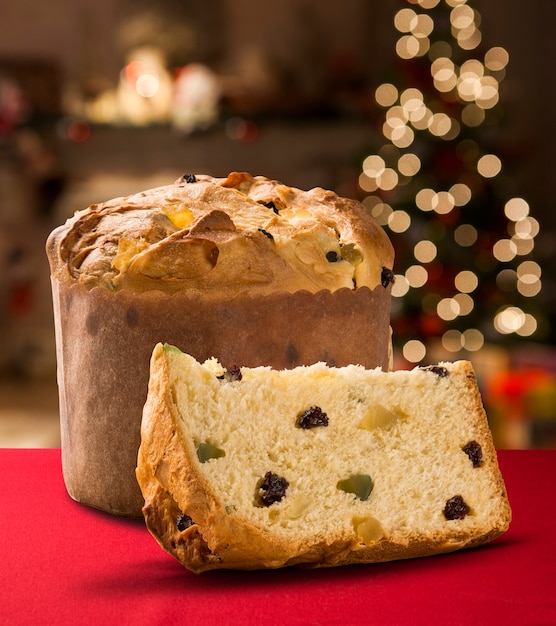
{"x":227,"y":234}
{"x":172,"y":484}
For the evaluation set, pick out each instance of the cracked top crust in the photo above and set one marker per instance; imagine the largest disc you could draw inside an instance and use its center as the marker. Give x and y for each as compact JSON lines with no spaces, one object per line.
{"x":228,"y":234}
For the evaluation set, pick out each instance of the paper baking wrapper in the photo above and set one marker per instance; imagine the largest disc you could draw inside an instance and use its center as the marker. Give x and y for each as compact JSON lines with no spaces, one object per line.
{"x":104,"y":342}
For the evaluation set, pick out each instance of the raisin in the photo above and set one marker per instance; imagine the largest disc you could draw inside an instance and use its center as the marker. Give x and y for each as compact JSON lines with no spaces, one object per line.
{"x":456,"y":508}
{"x":332,"y":256}
{"x":270,"y":205}
{"x":266,"y":233}
{"x":189,"y":178}
{"x":439,"y":370}
{"x":386,"y":277}
{"x":474,"y":452}
{"x":183,"y":522}
{"x":231,"y":374}
{"x":312,"y":417}
{"x":273,"y":488}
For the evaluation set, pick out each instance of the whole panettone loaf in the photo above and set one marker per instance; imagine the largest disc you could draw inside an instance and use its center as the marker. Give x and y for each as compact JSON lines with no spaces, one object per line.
{"x":241,"y":268}
{"x":259,"y":468}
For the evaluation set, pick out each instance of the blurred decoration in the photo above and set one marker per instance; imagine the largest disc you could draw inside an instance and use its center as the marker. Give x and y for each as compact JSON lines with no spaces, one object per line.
{"x":439,"y":181}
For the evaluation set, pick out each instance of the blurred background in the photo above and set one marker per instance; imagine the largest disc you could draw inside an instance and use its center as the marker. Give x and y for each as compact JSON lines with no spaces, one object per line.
{"x":438,"y":115}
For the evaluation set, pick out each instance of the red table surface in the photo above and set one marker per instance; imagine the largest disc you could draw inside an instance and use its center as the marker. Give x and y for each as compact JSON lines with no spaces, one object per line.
{"x":65,"y":563}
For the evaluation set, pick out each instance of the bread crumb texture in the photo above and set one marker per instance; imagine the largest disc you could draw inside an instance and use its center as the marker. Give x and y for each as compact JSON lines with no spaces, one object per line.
{"x":317,"y":466}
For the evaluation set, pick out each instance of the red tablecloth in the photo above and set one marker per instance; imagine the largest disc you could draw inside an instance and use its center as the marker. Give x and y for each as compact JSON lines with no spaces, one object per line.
{"x":64,"y":563}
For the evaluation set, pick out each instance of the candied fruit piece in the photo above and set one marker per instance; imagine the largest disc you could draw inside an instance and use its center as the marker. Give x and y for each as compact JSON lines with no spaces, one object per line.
{"x":386,"y":277}
{"x":368,"y":529}
{"x":351,"y":254}
{"x":378,"y":417}
{"x":439,"y":370}
{"x":312,"y":417}
{"x":360,"y":485}
{"x":273,"y":488}
{"x":183,"y":522}
{"x":456,"y":508}
{"x":474,"y":452}
{"x":207,"y":451}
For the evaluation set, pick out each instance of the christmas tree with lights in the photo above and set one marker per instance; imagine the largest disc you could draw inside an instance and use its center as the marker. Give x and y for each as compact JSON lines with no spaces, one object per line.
{"x":439,"y":184}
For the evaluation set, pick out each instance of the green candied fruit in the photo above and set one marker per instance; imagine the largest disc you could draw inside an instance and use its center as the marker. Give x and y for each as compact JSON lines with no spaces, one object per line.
{"x":207,"y":451}
{"x":360,"y":485}
{"x":170,"y":348}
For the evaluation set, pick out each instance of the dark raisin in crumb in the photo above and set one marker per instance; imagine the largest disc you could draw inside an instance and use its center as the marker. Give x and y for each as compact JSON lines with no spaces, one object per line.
{"x":273,"y":488}
{"x":233,"y":373}
{"x":266,"y":233}
{"x":270,"y":205}
{"x":183,"y":522}
{"x":456,"y":508}
{"x":189,"y":178}
{"x":312,"y":417}
{"x":386,"y":277}
{"x":474,"y":452}
{"x":332,"y":256}
{"x":440,"y":371}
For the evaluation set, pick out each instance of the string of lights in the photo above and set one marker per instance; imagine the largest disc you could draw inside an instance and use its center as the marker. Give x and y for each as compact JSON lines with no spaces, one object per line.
{"x":463,"y":239}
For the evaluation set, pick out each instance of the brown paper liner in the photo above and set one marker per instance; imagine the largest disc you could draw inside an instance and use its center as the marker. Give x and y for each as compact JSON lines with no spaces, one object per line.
{"x":105,"y":339}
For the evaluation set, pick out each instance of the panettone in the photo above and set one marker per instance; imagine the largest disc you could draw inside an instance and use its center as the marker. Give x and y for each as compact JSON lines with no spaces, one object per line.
{"x":258,"y":468}
{"x":242,"y":268}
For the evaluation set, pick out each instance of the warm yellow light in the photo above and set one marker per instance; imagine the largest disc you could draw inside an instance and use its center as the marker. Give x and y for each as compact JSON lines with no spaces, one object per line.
{"x":489,"y":166}
{"x":373,"y":165}
{"x":473,"y":339}
{"x":460,"y":193}
{"x":405,"y":20}
{"x":416,"y":276}
{"x":466,"y":281}
{"x":367,"y":184}
{"x":504,"y":250}
{"x":399,"y":221}
{"x":424,"y":199}
{"x":516,"y":209}
{"x":407,"y":47}
{"x":465,"y":303}
{"x":523,"y":245}
{"x":386,"y":94}
{"x":472,"y":115}
{"x":452,"y":340}
{"x":448,"y":309}
{"x":465,"y":235}
{"x":513,"y":320}
{"x":488,"y":94}
{"x":414,"y":351}
{"x":462,"y":16}
{"x":387,"y":179}
{"x":402,"y":137}
{"x":506,"y":279}
{"x":425,"y":251}
{"x":423,"y":26}
{"x":409,"y":164}
{"x":529,"y":290}
{"x":527,"y":227}
{"x":496,"y":59}
{"x":400,"y":286}
{"x":440,"y":124}
{"x":529,"y":268}
{"x":443,"y":202}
